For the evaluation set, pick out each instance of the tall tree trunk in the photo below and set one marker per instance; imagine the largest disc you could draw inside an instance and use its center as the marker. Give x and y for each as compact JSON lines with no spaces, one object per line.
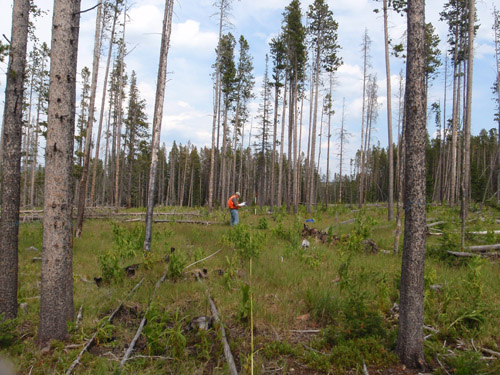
{"x":11,"y":164}
{"x":312,"y":176}
{"x":217,"y":94}
{"x":280,"y":168}
{"x":106,"y":156}
{"x":273,"y":156}
{"x":84,"y":181}
{"x":56,"y":292}
{"x":363,"y":112}
{"x":103,"y":103}
{"x":467,"y":122}
{"x":119,"y":125}
{"x":390,"y":153}
{"x":410,"y":340}
{"x":295,"y":156}
{"x":342,"y":139}
{"x":455,"y":110}
{"x":158,"y":113}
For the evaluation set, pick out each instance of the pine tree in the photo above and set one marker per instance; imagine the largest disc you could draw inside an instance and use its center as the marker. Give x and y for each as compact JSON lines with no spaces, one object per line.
{"x":56,"y":292}
{"x":11,"y":156}
{"x":136,"y":131}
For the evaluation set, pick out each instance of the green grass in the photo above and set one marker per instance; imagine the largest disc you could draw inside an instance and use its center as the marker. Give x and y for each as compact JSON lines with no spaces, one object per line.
{"x":342,"y":291}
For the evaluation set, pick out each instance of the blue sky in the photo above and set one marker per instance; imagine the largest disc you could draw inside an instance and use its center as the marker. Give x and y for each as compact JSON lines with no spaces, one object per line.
{"x":188,"y":99}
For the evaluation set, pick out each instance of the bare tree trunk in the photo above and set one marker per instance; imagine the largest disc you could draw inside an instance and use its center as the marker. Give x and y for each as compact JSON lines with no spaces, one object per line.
{"x":390,"y":153}
{"x":11,"y":164}
{"x":56,"y":292}
{"x":295,"y":158}
{"x":103,"y":102}
{"x":467,"y":122}
{"x":497,"y":59}
{"x":400,"y":164}
{"x":311,"y":191}
{"x":84,"y":181}
{"x":158,"y":113}
{"x":362,"y":156}
{"x":273,"y":156}
{"x":119,"y":125}
{"x":410,"y":340}
{"x":342,"y":139}
{"x":280,"y":168}
{"x":456,"y":100}
{"x":106,"y":154}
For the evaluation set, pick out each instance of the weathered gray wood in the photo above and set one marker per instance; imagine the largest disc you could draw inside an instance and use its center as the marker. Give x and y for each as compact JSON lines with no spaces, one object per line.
{"x":157,"y":118}
{"x":227,"y":349}
{"x":90,"y":342}
{"x":483,"y":248}
{"x":143,"y":321}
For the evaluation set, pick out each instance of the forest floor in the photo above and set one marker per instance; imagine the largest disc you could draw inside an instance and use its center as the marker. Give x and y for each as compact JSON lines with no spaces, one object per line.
{"x":327,"y":308}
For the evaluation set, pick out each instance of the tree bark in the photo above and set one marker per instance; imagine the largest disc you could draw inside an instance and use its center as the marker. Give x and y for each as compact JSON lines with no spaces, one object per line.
{"x":158,"y":113}
{"x":11,"y":154}
{"x":411,"y":319}
{"x":56,"y":302}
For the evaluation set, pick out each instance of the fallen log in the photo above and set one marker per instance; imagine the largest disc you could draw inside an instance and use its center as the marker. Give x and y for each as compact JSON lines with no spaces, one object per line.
{"x":90,"y":342}
{"x":435,"y":223}
{"x":227,"y":349}
{"x":174,"y":221}
{"x":143,"y":321}
{"x":491,"y":352}
{"x":483,"y":248}
{"x":485,"y":232}
{"x":462,"y":254}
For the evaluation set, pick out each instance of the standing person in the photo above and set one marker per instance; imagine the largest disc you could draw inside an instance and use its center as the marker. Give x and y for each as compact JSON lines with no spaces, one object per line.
{"x":233,"y":205}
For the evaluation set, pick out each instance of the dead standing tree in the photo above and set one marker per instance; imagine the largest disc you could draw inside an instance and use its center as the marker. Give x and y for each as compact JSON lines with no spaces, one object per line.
{"x":11,"y":164}
{"x":158,"y":113}
{"x":82,"y":196}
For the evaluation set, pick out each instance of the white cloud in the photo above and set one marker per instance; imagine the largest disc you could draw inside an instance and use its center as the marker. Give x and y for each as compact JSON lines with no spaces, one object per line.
{"x":187,"y":35}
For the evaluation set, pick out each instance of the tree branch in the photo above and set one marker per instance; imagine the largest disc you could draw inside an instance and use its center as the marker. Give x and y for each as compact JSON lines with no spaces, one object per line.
{"x":88,"y":10}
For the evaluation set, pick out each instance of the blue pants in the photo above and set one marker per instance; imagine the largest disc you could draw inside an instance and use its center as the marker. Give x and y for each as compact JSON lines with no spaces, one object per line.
{"x":234,"y":217}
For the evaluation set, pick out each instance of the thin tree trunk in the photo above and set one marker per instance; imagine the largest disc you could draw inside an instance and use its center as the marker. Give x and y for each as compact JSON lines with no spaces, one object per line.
{"x":467,"y":122}
{"x":103,"y":102}
{"x":11,"y":154}
{"x":342,"y":139}
{"x":311,"y":191}
{"x":273,"y":156}
{"x":82,"y":195}
{"x":56,"y":292}
{"x":158,"y":113}
{"x":390,"y":153}
{"x":119,"y":125}
{"x":280,"y":168}
{"x":362,"y":156}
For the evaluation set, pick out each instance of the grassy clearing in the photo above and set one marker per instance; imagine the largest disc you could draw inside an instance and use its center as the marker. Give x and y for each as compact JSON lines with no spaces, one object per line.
{"x":324,"y":309}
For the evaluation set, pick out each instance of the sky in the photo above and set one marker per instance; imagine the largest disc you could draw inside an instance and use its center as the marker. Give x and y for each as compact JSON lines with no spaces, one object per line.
{"x":188,"y":103}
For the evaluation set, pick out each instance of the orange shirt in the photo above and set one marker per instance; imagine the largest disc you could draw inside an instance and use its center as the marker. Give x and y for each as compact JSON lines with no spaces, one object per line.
{"x":231,"y":204}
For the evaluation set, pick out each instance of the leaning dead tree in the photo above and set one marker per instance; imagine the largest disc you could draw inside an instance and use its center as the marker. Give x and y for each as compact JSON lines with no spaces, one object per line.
{"x":82,"y":196}
{"x":158,"y":113}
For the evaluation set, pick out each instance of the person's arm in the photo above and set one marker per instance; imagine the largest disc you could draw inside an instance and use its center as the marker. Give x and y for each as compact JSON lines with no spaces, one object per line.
{"x":235,"y":202}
